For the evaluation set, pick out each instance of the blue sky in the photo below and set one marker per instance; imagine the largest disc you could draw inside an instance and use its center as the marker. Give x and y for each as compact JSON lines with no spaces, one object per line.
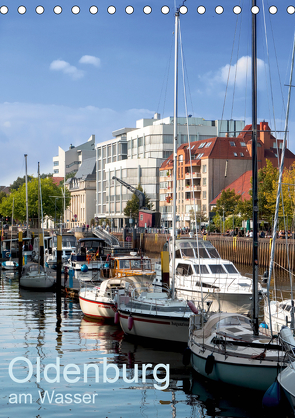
{"x":65,"y":77}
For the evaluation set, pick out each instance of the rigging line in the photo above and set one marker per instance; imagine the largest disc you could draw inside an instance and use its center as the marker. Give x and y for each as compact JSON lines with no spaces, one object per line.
{"x":270,"y":79}
{"x":231,"y":58}
{"x":167,"y":71}
{"x":236,"y":70}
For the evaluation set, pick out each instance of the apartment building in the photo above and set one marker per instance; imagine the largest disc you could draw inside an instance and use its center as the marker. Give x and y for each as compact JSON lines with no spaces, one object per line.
{"x":204,"y":168}
{"x":136,"y":154}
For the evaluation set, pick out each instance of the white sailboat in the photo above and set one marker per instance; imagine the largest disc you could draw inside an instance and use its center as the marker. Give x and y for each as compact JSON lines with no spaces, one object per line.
{"x":160,"y":315}
{"x":230,"y":348}
{"x":36,"y":277}
{"x":100,"y":301}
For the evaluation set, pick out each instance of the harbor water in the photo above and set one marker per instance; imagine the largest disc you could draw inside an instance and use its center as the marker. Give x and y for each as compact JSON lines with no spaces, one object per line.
{"x":70,"y":366}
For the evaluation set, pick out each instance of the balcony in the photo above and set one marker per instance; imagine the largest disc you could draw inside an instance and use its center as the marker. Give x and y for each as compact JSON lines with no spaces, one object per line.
{"x":195,"y":175}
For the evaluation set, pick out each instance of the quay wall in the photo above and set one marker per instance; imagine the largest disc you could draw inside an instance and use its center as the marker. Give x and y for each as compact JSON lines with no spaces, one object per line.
{"x":235,"y":249}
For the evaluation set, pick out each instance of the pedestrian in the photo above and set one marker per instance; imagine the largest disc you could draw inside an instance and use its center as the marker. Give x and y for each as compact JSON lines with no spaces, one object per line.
{"x":87,"y":226}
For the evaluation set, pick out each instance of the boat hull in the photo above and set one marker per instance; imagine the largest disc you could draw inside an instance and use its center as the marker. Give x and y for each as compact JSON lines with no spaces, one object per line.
{"x":221,"y":302}
{"x":156,"y":327}
{"x":97,"y":308}
{"x":286,"y":381}
{"x":253,"y":374}
{"x":37,"y":282}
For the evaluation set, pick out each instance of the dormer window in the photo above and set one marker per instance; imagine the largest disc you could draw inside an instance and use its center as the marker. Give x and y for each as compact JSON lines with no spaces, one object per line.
{"x":232,"y":143}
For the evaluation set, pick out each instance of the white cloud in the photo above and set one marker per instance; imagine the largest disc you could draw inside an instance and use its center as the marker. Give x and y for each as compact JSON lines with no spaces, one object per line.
{"x":38,"y":130}
{"x":238,"y":74}
{"x":89,"y":59}
{"x":66,"y":68}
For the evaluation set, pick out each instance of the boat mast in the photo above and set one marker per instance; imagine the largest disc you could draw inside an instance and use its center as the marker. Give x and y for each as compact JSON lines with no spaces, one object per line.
{"x":175,"y":149}
{"x":27,"y":202}
{"x":254,"y":173}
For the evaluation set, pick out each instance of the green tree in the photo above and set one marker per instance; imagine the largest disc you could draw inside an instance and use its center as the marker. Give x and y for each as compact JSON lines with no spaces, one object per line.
{"x":52,"y":200}
{"x":19,"y":182}
{"x":227,"y":204}
{"x":132,"y":205}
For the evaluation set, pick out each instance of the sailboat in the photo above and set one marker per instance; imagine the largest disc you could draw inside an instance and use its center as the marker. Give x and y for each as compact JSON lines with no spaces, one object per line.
{"x":230,"y":348}
{"x":35,"y":276}
{"x":10,"y":264}
{"x":159,"y":315}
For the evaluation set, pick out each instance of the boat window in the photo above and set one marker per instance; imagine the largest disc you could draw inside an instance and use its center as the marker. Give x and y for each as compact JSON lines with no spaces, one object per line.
{"x":213,"y":253}
{"x":288,"y":308}
{"x":202,"y":253}
{"x":184,"y":269}
{"x":230,"y":268}
{"x":233,"y":320}
{"x":283,"y":305}
{"x":135,"y":264}
{"x":207,"y":285}
{"x":188,"y":252}
{"x":216,"y":268}
{"x":177,"y":254}
{"x":124,"y":264}
{"x":201,"y":268}
{"x":146,"y":264}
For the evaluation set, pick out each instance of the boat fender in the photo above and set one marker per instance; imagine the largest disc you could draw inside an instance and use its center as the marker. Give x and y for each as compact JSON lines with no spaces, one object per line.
{"x":186,"y":356}
{"x":209,"y":364}
{"x":192,"y":307}
{"x":116,"y":318}
{"x":130,"y":323}
{"x":84,"y":268}
{"x":263,"y":325}
{"x":272,"y":397}
{"x":287,"y":336}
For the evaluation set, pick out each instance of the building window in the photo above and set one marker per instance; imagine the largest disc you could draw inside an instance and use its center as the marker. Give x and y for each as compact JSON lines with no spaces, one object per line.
{"x":243,"y":144}
{"x":180,"y":158}
{"x":141,"y":217}
{"x":199,"y":156}
{"x":56,"y":171}
{"x":208,"y":144}
{"x":204,"y":208}
{"x":56,"y":163}
{"x":202,"y":145}
{"x":204,"y":194}
{"x":242,"y":154}
{"x":232,"y":143}
{"x":204,"y":168}
{"x":235,"y":154}
{"x":204,"y":181}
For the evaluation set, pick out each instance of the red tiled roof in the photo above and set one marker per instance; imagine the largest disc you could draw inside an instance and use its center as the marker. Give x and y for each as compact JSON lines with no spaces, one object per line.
{"x":241,"y":186}
{"x":57,"y":180}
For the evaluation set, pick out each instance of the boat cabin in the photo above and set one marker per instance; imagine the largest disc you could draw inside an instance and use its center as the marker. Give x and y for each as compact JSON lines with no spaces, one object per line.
{"x":130,"y":265}
{"x":91,"y":247}
{"x":191,"y":248}
{"x":10,"y":247}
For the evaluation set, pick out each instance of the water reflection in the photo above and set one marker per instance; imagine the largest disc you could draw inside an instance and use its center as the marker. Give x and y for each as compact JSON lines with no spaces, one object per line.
{"x":32,"y":327}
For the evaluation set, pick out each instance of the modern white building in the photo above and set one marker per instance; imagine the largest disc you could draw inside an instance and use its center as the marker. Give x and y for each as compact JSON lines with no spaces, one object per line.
{"x":136,"y":154}
{"x":69,"y":161}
